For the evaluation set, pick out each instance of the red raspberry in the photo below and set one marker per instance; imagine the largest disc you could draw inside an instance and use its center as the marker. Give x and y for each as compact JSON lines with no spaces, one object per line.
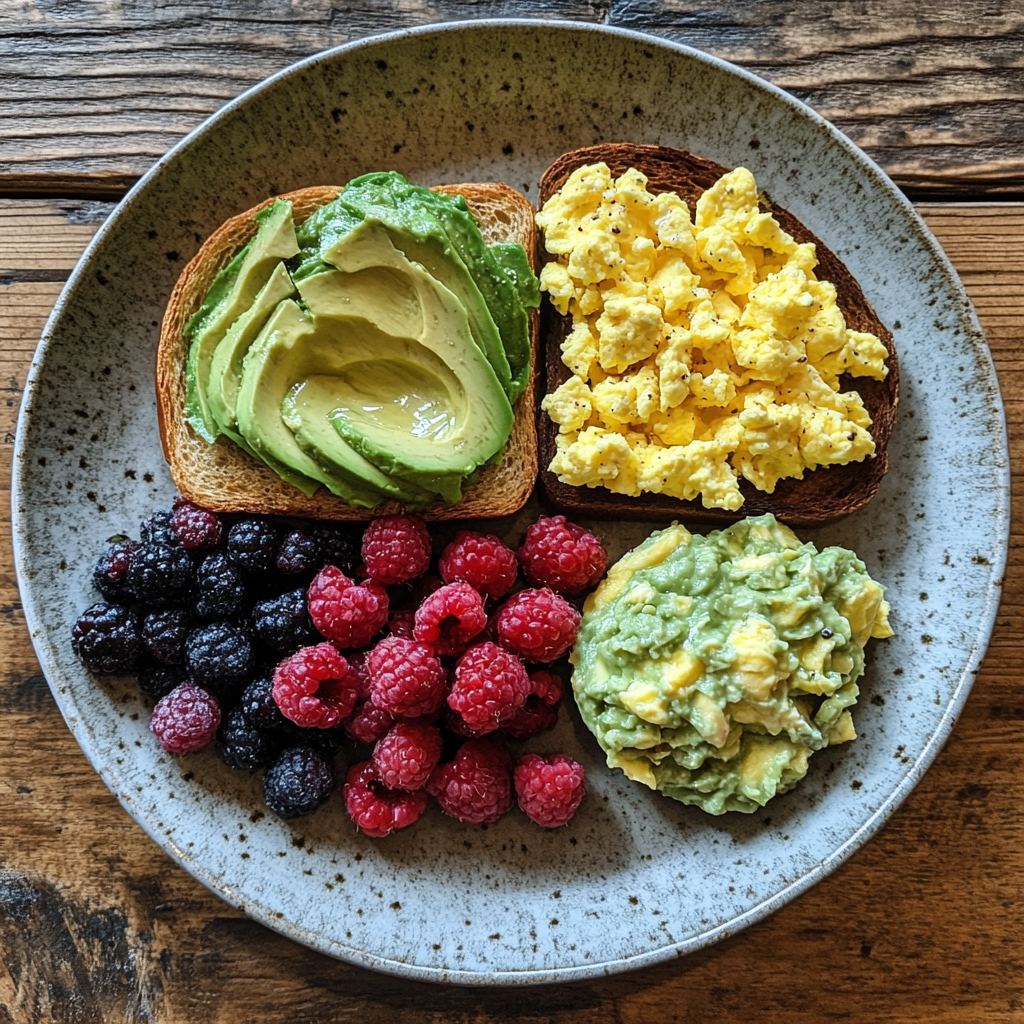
{"x":477,"y":786}
{"x":450,"y":618}
{"x":186,"y":719}
{"x":562,"y":556}
{"x":538,"y":625}
{"x":454,"y":722}
{"x":533,"y":717}
{"x":367,"y":723}
{"x":348,"y":614}
{"x":490,"y":686}
{"x":314,"y":688}
{"x":407,"y":755}
{"x":401,"y":624}
{"x":546,"y":686}
{"x":423,"y":586}
{"x":406,"y":680}
{"x":549,"y":788}
{"x":195,"y":528}
{"x":396,"y":548}
{"x":375,"y":810}
{"x":480,"y":560}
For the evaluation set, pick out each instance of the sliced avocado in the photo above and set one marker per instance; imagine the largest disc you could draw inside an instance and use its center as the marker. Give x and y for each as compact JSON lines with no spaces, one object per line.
{"x":231,"y":294}
{"x":226,"y":364}
{"x":279,"y":357}
{"x":422,"y":402}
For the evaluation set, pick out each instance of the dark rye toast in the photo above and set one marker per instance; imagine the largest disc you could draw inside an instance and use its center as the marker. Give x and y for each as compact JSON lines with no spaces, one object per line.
{"x":224,"y":478}
{"x":824,"y":494}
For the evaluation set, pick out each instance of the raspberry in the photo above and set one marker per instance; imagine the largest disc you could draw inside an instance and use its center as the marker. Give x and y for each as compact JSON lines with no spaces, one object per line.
{"x":368,"y":723}
{"x":549,"y":788}
{"x":378,"y":811}
{"x":106,"y":639}
{"x":164,"y":634}
{"x":219,"y":657}
{"x":405,"y":757}
{"x":219,"y":590}
{"x":186,"y":719}
{"x":406,"y":679}
{"x":396,"y":548}
{"x":477,"y":786}
{"x":298,"y":782}
{"x":282,"y":623}
{"x":450,"y":618}
{"x":111,"y":572}
{"x":423,"y":586}
{"x":195,"y":528}
{"x":480,"y":560}
{"x":313,"y":688}
{"x":538,"y":625}
{"x":546,"y":686}
{"x":490,"y":686}
{"x":562,"y":556}
{"x":298,"y":553}
{"x":533,"y":717}
{"x":455,"y":723}
{"x":252,"y":545}
{"x":347,"y":613}
{"x":401,"y":624}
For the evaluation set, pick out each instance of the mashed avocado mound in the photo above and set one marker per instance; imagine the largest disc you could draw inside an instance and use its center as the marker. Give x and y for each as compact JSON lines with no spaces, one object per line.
{"x":376,"y":349}
{"x":711,"y":668}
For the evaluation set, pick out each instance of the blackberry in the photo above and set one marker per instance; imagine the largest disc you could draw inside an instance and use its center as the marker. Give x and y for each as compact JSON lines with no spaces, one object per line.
{"x":159,"y":529}
{"x":106,"y":639}
{"x":283,"y":623}
{"x":340,"y":546}
{"x":245,"y":747}
{"x":298,"y":554}
{"x":219,"y":590}
{"x":298,"y":782}
{"x":160,"y":575}
{"x":220,"y":658}
{"x":157,"y":680}
{"x":252,"y":545}
{"x":164,"y":633}
{"x":258,"y":705}
{"x":111,"y":572}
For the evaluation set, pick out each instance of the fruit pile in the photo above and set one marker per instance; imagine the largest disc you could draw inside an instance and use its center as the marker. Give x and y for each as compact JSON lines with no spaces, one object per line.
{"x":288,"y":643}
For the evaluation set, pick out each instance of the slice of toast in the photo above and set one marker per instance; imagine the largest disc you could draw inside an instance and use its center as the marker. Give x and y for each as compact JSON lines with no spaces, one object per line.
{"x":224,"y":478}
{"x":824,"y":494}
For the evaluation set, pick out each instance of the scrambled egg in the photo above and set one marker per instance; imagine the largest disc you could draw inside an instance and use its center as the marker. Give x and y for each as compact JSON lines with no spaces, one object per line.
{"x":712,"y":667}
{"x":699,"y":349}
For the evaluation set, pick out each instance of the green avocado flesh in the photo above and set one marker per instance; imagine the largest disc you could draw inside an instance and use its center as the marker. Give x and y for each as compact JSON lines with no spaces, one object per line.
{"x":710,"y":668}
{"x":378,"y":360}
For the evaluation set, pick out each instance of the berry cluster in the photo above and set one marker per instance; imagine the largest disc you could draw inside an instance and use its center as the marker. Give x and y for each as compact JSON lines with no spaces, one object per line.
{"x":284,"y":641}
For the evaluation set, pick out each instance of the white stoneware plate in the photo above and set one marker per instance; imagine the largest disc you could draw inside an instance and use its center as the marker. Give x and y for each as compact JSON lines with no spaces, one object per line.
{"x":635,"y":878}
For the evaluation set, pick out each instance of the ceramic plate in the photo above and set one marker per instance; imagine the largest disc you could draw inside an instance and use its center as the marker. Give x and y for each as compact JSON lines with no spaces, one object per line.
{"x":635,"y":878}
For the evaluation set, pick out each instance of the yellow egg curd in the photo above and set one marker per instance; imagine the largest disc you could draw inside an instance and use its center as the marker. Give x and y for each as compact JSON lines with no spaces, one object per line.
{"x":700,"y":350}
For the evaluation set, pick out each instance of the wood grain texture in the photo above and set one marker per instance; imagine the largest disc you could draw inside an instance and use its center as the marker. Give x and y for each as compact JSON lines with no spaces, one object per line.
{"x":923,"y":924}
{"x":93,"y":91}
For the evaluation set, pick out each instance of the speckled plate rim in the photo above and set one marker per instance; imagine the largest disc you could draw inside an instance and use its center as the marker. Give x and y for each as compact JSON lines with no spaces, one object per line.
{"x":1001,"y":529}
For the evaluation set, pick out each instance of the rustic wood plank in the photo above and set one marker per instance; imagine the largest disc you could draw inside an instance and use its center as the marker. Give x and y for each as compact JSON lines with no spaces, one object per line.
{"x":922,"y":924}
{"x":91,"y":93}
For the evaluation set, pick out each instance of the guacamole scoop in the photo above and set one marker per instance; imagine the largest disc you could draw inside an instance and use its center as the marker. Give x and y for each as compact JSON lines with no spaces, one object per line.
{"x":711,"y":668}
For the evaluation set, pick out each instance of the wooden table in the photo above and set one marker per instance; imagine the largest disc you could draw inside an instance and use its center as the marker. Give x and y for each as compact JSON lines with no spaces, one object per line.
{"x":924,"y":924}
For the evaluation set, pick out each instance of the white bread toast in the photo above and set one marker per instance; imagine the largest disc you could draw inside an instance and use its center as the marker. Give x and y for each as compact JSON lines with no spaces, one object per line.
{"x":224,"y":478}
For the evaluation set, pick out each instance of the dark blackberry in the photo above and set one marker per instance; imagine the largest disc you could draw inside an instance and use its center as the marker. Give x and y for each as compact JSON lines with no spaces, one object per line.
{"x":220,"y":658}
{"x":245,"y":747}
{"x":252,"y":544}
{"x":160,"y":575}
{"x":258,"y":705}
{"x":219,"y":590}
{"x":340,"y":546}
{"x":324,"y":741}
{"x":164,"y":633}
{"x":106,"y":639}
{"x":298,"y":554}
{"x":298,"y":782}
{"x":111,"y":572}
{"x":283,"y":623}
{"x":195,"y":527}
{"x":158,"y":529}
{"x":157,"y":680}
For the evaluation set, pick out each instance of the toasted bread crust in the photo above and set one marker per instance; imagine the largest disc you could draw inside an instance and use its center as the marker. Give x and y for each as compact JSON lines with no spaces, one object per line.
{"x":824,"y":494}
{"x":224,"y":478}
